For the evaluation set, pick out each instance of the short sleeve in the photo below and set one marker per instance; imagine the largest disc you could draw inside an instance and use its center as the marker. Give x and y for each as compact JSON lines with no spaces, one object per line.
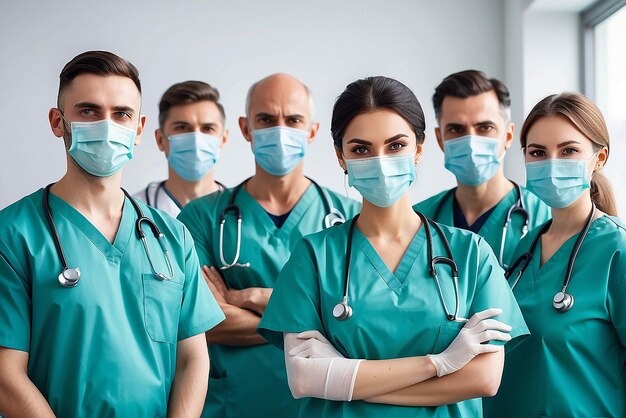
{"x":616,"y":299}
{"x":200,"y":228}
{"x":15,"y":303}
{"x":493,"y":291}
{"x":295,"y":302}
{"x":199,"y":311}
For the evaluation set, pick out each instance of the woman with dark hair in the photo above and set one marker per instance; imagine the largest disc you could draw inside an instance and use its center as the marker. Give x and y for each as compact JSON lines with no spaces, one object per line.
{"x":371,"y":314}
{"x":570,"y":274}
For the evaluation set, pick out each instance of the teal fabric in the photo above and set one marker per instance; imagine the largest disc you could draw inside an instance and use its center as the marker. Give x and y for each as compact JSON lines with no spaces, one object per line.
{"x":395,"y":314}
{"x":574,"y":363}
{"x":491,"y":230}
{"x":107,"y":347}
{"x":251,"y":381}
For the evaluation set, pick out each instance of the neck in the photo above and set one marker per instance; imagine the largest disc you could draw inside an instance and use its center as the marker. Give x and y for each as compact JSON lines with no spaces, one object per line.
{"x":185,"y":191}
{"x":393,"y":221}
{"x":572,"y":219}
{"x":89,"y":194}
{"x":278,"y":191}
{"x":477,"y":200}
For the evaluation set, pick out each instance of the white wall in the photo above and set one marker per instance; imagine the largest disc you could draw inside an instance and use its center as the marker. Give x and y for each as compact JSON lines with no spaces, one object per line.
{"x":230,"y":44}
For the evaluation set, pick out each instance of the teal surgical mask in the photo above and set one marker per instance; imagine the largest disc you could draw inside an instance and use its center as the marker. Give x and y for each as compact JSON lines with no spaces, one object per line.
{"x":192,"y":154}
{"x":279,"y":150}
{"x":382,"y":180}
{"x":558,"y":182}
{"x":472,"y":159}
{"x":101,"y":148}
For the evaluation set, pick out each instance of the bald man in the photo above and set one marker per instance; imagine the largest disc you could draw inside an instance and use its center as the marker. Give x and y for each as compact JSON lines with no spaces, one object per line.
{"x":278,"y":206}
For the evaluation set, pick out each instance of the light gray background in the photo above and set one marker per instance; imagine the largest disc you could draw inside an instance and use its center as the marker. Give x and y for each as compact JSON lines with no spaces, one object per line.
{"x":532,"y":45}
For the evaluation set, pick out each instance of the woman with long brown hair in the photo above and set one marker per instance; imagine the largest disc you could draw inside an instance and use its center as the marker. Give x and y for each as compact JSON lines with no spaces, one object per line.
{"x":570,"y":275}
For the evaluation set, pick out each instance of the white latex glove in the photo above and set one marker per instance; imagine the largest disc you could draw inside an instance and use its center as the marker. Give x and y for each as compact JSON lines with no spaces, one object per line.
{"x":467,"y":344}
{"x":314,"y":345}
{"x":316,"y":369}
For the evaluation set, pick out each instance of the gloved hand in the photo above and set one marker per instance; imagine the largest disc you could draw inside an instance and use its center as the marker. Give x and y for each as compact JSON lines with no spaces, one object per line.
{"x":316,"y":369}
{"x":467,"y":344}
{"x":314,"y":345}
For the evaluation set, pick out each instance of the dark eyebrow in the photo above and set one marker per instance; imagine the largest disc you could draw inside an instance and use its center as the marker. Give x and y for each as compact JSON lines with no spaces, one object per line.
{"x":265,"y":115}
{"x":124,"y":109}
{"x":179,"y":122}
{"x":295,"y":116}
{"x":566,"y":143}
{"x":535,"y":146}
{"x":485,"y":122}
{"x":364,"y":142}
{"x":454,"y":125}
{"x":84,"y":105}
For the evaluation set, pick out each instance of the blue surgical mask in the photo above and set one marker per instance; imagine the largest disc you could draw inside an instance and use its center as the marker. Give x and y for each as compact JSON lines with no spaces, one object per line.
{"x":472,"y":159}
{"x":101,"y":148}
{"x":382,"y":180}
{"x":279,"y":150}
{"x":192,"y":154}
{"x":558,"y":182}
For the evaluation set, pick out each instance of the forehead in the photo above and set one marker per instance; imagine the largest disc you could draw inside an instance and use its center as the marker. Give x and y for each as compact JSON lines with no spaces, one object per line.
{"x":553,"y":130}
{"x":377,"y":126}
{"x":280,"y":95}
{"x":200,"y":112}
{"x":110,"y":90}
{"x":482,"y":107}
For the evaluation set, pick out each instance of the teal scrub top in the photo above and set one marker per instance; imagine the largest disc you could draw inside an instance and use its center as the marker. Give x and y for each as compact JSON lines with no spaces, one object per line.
{"x":251,"y":381}
{"x":106,"y":347}
{"x":492,"y":230}
{"x":574,"y":363}
{"x":395,"y":314}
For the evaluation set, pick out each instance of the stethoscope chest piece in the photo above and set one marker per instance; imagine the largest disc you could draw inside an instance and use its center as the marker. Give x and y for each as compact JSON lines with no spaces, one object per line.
{"x":69,"y":277}
{"x":342,"y":311}
{"x":334,"y":217}
{"x":563,"y":301}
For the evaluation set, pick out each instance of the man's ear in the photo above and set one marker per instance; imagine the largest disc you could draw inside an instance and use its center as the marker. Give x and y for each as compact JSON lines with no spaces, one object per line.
{"x":315,"y":126}
{"x":160,"y":139}
{"x":246,"y":130}
{"x":140,"y":127}
{"x":439,"y":138}
{"x":56,"y":122}
{"x":510,"y":134}
{"x":224,"y":139}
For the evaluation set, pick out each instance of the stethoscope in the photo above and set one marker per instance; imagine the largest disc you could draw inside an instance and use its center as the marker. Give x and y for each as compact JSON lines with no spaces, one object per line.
{"x":562,"y":301}
{"x":69,"y":277}
{"x":343,"y":310}
{"x":161,"y":188}
{"x":333,"y":217}
{"x":518,"y":207}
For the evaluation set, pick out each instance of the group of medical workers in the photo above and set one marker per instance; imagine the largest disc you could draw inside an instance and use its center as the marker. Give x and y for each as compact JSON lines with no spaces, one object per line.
{"x":310,"y":304}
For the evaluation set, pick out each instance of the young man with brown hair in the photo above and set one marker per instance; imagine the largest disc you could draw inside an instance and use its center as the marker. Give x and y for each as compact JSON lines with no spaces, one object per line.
{"x":191,"y":133}
{"x":120,"y":331}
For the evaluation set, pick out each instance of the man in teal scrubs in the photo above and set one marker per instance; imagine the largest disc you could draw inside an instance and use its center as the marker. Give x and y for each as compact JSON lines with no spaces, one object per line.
{"x":277,"y":207}
{"x":126,"y":339}
{"x":191,"y":133}
{"x":475,"y":131}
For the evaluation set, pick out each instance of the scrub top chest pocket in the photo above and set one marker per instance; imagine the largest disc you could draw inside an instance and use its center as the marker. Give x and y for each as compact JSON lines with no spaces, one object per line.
{"x":162,"y":299}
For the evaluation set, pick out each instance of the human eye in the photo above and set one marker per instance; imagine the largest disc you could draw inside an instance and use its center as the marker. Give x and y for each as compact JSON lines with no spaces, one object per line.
{"x":569,"y":151}
{"x":87,"y":112}
{"x":122,"y":115}
{"x":360,"y":150}
{"x":536,"y":153}
{"x":396,"y":146}
{"x":485,"y":128}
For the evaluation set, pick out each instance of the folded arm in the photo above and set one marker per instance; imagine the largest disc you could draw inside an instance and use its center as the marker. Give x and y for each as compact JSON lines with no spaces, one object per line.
{"x":19,"y":397}
{"x":239,"y":327}
{"x":479,"y":378}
